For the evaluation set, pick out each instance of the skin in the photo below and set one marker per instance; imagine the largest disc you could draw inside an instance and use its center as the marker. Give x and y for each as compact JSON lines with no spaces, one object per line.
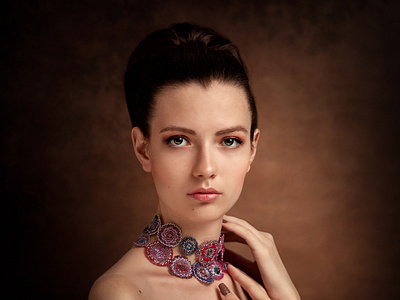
{"x":201,"y":143}
{"x":199,"y":138}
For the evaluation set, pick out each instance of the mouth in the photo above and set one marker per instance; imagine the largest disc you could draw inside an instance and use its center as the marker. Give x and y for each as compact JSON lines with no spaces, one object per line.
{"x":205,"y":195}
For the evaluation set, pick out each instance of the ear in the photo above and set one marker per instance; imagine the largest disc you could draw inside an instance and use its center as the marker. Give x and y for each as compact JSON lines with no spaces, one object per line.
{"x":254,"y":143}
{"x":140,"y":145}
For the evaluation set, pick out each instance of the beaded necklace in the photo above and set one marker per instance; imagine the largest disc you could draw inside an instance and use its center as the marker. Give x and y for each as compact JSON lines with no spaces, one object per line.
{"x":209,"y":265}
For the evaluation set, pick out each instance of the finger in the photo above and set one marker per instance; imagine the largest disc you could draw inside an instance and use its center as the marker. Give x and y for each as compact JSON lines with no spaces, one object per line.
{"x":262,"y":246}
{"x":232,"y":237}
{"x":236,"y":259}
{"x":254,"y":289}
{"x":245,"y":231}
{"x":249,"y":267}
{"x":241,"y":223}
{"x":260,"y":243}
{"x":273,"y":272}
{"x":226,"y":293}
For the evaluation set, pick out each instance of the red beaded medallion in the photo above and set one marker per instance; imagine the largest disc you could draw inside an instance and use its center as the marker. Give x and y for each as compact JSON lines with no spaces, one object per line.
{"x":207,"y":253}
{"x":158,"y":254}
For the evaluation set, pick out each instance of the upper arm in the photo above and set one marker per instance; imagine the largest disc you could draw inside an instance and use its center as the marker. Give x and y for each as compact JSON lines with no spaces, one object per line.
{"x":113,"y":287}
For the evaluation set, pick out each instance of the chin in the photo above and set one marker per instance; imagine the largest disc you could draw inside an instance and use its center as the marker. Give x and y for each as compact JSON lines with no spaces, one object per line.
{"x":197,"y":212}
{"x":208,"y":213}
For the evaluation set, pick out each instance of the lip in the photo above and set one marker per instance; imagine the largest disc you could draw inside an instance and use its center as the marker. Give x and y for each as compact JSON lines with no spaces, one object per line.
{"x":205,"y":195}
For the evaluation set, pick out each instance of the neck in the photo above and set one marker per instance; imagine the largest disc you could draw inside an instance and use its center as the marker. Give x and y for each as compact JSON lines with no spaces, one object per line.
{"x":202,"y":231}
{"x":206,"y":250}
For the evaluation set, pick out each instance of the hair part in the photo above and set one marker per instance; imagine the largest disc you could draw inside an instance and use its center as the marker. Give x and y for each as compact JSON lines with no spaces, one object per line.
{"x":183,"y":53}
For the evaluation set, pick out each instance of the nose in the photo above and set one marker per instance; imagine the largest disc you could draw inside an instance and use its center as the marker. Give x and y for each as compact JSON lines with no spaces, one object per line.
{"x":205,"y":165}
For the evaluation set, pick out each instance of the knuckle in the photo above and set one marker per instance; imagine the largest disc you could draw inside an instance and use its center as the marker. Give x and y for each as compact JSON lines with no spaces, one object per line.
{"x":248,"y":232}
{"x":268,"y":242}
{"x":245,"y":223}
{"x":257,"y":292}
{"x":269,"y":236}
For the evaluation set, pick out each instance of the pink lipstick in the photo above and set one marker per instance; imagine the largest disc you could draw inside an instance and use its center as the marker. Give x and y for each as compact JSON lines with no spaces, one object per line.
{"x":205,"y":195}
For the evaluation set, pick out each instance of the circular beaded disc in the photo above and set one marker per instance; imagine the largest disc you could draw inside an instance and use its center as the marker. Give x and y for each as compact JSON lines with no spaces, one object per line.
{"x":207,"y":252}
{"x":181,"y":267}
{"x":202,"y":273}
{"x":188,"y":245}
{"x":143,"y":240}
{"x":169,"y":235}
{"x":158,"y":254}
{"x":155,"y":224}
{"x":216,"y":270}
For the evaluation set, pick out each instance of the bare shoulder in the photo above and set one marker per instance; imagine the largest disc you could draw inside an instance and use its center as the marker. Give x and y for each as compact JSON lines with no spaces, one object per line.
{"x":114,"y":286}
{"x":119,"y":282}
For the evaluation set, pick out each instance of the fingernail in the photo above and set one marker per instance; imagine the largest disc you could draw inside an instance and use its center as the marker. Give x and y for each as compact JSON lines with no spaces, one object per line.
{"x":224,"y":289}
{"x":224,"y":221}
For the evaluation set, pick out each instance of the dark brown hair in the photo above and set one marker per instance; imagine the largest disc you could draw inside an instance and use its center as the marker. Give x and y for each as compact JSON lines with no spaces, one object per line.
{"x":182,"y":53}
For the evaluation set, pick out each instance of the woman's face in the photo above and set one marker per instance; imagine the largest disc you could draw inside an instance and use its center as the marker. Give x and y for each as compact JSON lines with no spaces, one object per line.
{"x":199,"y":149}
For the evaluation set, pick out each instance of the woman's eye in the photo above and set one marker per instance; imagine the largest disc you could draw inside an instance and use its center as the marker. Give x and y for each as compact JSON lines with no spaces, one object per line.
{"x":177,"y":141}
{"x":231,"y":142}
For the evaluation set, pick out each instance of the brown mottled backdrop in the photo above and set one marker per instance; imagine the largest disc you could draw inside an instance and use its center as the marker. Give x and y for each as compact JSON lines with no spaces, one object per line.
{"x":325,"y":181}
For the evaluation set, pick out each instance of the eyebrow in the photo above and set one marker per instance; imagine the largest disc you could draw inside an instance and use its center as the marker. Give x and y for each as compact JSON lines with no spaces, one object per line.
{"x":190,"y":131}
{"x":177,"y":128}
{"x":230,"y":130}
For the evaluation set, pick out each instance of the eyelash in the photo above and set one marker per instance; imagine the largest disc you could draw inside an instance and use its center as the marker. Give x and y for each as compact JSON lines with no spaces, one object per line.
{"x":235,"y":141}
{"x":170,"y":139}
{"x":238,"y":142}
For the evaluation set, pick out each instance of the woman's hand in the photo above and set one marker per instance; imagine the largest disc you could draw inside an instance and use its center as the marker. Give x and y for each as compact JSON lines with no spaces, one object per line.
{"x":271,"y":273}
{"x":252,"y":287}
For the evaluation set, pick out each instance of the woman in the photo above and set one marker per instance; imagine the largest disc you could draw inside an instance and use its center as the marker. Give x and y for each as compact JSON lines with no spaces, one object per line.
{"x":195,"y":130}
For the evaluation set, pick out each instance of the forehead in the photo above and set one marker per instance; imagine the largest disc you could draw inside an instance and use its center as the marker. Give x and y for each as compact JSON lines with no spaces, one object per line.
{"x":193,"y":105}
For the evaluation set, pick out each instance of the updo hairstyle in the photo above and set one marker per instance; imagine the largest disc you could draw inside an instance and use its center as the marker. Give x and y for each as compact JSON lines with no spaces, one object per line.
{"x":183,"y":53}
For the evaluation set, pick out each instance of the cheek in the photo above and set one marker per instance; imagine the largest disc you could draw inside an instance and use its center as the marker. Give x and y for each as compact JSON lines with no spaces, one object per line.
{"x":238,"y":174}
{"x":166,"y":172}
{"x":235,"y":181}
